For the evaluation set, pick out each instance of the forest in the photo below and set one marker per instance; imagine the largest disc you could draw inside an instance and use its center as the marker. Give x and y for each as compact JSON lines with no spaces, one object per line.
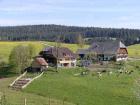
{"x":68,"y":34}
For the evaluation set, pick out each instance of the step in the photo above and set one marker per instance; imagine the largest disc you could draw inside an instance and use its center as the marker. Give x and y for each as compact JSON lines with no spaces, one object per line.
{"x":16,"y":87}
{"x":21,"y":82}
{"x":24,"y":79}
{"x":18,"y":84}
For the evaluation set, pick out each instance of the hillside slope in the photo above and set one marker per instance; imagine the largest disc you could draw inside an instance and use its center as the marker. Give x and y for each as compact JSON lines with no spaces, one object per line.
{"x":18,"y":97}
{"x":87,"y":90}
{"x":6,"y":47}
{"x":134,"y":50}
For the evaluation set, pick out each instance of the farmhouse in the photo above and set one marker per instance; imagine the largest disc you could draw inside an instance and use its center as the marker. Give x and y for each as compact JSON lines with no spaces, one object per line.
{"x":59,"y":56}
{"x":106,"y":51}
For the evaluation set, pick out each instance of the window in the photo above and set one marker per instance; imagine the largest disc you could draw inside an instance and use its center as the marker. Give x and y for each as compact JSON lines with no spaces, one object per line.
{"x":72,"y":64}
{"x":61,"y":65}
{"x":67,"y":59}
{"x":64,"y":54}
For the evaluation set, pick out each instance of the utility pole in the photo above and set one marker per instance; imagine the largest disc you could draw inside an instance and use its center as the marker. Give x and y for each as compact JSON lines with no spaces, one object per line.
{"x":58,"y":44}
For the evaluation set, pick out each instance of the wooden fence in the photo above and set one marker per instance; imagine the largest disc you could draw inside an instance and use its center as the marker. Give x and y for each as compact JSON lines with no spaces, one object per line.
{"x":27,"y":101}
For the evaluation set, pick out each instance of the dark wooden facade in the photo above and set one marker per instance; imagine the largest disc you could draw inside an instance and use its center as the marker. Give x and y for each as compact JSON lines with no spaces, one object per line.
{"x":60,"y":57}
{"x":107,"y":51}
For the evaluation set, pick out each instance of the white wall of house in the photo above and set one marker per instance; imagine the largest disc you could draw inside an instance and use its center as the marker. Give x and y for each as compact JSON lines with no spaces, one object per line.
{"x":122,"y":57}
{"x":67,"y":63}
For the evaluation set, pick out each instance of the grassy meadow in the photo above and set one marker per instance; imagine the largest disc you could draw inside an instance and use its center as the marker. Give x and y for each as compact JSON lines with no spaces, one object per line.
{"x":110,"y":89}
{"x":88,"y":89}
{"x":17,"y":97}
{"x":134,"y":50}
{"x":54,"y":88}
{"x":6,"y":47}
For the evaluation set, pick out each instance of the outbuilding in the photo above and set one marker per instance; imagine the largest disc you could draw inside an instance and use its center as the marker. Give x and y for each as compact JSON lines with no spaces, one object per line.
{"x":39,"y":64}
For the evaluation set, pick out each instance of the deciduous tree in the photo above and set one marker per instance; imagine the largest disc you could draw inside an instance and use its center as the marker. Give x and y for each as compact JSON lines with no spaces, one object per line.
{"x":20,"y":58}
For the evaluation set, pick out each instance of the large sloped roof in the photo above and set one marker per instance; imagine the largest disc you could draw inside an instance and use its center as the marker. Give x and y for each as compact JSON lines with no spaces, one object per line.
{"x":59,"y":52}
{"x":106,"y":47}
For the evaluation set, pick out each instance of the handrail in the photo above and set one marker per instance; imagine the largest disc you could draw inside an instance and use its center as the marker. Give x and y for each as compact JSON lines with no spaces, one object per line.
{"x":18,"y":78}
{"x":32,"y":80}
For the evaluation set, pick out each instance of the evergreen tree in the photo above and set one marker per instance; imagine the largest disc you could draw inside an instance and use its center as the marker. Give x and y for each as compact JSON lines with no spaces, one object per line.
{"x":69,"y":33}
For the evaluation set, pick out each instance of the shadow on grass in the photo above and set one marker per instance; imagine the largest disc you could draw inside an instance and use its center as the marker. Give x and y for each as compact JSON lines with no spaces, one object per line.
{"x":5,"y":72}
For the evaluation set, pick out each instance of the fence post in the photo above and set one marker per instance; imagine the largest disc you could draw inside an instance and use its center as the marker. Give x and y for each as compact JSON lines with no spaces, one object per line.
{"x":3,"y":99}
{"x":49,"y":100}
{"x":0,"y":98}
{"x":65,"y":99}
{"x":25,"y":101}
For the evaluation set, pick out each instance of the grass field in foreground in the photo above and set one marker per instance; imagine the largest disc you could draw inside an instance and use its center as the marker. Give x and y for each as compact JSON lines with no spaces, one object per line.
{"x":76,"y":90}
{"x":18,"y":97}
{"x":87,"y":90}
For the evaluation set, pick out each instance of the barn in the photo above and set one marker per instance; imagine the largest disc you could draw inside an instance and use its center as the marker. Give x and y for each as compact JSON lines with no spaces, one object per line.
{"x":107,"y":51}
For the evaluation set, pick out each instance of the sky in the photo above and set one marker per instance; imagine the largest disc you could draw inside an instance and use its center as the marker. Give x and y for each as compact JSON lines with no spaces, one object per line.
{"x":92,"y":13}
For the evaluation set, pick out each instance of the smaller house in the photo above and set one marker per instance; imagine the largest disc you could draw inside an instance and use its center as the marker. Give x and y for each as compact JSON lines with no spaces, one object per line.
{"x":59,"y":56}
{"x":39,"y":64}
{"x":106,"y":51}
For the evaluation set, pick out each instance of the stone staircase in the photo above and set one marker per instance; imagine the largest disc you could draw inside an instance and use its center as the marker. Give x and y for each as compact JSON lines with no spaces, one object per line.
{"x":20,"y":83}
{"x":24,"y":80}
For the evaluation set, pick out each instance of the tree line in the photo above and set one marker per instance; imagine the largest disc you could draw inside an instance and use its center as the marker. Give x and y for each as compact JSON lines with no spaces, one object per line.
{"x":68,"y":33}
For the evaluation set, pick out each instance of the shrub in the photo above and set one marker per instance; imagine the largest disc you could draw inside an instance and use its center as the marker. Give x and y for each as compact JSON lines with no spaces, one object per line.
{"x":20,"y":58}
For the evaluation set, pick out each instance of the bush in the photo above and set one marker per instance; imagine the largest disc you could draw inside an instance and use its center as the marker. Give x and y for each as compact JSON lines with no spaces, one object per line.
{"x":20,"y":58}
{"x":3,"y":64}
{"x":4,"y":67}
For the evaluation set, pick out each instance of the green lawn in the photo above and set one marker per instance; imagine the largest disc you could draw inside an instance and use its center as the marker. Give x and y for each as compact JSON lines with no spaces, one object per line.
{"x":17,"y":97}
{"x":81,"y":90}
{"x":87,"y":90}
{"x":76,"y":90}
{"x":134,"y":50}
{"x":6,"y":47}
